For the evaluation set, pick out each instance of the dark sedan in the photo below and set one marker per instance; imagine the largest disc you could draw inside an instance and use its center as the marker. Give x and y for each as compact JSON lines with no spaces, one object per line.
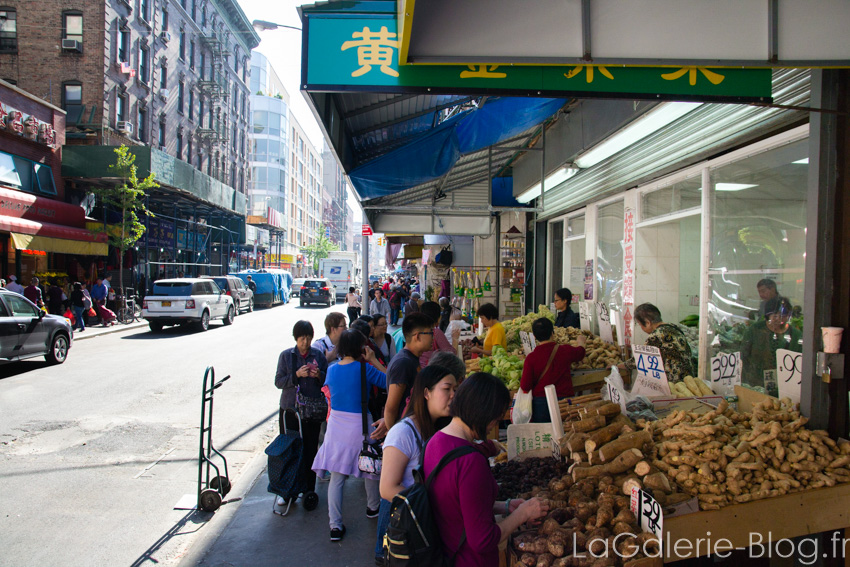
{"x":26,"y":331}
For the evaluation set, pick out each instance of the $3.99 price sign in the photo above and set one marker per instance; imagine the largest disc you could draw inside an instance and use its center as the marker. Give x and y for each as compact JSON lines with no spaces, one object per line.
{"x":789,"y":367}
{"x":648,"y":512}
{"x":726,"y":372}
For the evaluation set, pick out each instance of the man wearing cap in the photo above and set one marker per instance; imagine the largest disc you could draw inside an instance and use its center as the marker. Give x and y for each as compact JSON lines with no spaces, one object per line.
{"x":13,"y":285}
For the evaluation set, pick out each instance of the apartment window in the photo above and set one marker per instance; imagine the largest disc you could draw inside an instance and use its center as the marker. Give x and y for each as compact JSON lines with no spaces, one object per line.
{"x":72,"y":26}
{"x":189,"y":151}
{"x":194,"y":10}
{"x":245,"y":70}
{"x":182,"y":45}
{"x":183,"y":4}
{"x":235,"y":97}
{"x":145,"y":10}
{"x":124,"y":46}
{"x":179,"y":145}
{"x":164,"y":19}
{"x":163,"y":76}
{"x":72,"y":101}
{"x":203,"y":16}
{"x":121,"y":108}
{"x":211,"y":123}
{"x":191,"y":104}
{"x":145,"y":64}
{"x":161,"y":133}
{"x":8,"y":30}
{"x":201,"y":113}
{"x":180,"y":87}
{"x":142,"y":126}
{"x":203,"y":65}
{"x":192,"y":54}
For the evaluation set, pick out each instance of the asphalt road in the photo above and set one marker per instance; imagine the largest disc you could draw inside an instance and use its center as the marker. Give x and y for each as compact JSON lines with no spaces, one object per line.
{"x":95,"y":453}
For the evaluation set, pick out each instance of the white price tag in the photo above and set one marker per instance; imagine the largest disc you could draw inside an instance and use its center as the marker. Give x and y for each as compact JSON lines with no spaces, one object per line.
{"x":585,"y":316}
{"x":648,"y":512}
{"x":726,"y":373}
{"x":651,"y":377}
{"x":616,"y":396}
{"x":528,"y":342}
{"x":789,"y":367}
{"x":604,"y":319}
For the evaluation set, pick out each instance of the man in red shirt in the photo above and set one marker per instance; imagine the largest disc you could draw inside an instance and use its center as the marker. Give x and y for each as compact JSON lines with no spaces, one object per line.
{"x":549,"y":363}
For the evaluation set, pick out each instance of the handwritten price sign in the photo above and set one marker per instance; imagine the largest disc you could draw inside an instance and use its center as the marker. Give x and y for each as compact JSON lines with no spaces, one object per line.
{"x":528,"y":342}
{"x":789,"y":367}
{"x":726,"y":372}
{"x":604,"y":317}
{"x":616,"y":396}
{"x":652,"y":378}
{"x":585,"y":315}
{"x":648,"y":513}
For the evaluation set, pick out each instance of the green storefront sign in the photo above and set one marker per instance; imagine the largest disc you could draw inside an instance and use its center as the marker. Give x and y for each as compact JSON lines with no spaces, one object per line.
{"x":361,"y":54}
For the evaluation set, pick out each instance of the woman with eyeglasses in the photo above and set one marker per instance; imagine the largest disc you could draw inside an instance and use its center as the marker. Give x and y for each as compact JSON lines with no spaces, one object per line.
{"x":566,"y":316}
{"x":382,"y":339}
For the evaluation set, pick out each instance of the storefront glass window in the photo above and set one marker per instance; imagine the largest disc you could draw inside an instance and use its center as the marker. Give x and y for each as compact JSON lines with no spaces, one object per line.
{"x":44,"y":175}
{"x":672,"y":199}
{"x":556,"y":251}
{"x":575,"y":226}
{"x":757,"y":262}
{"x":609,"y":255}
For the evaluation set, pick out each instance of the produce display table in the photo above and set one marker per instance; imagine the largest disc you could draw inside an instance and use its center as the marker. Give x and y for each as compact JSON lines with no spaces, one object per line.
{"x":791,"y":515}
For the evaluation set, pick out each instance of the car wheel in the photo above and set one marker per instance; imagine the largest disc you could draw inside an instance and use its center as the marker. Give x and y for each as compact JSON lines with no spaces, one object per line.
{"x":204,"y":323}
{"x":250,"y":305}
{"x":155,"y":326}
{"x":58,"y":349}
{"x":228,"y":319}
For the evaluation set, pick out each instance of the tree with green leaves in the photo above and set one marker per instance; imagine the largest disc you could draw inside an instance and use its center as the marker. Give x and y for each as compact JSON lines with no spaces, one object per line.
{"x":321,"y":249}
{"x":128,"y":199}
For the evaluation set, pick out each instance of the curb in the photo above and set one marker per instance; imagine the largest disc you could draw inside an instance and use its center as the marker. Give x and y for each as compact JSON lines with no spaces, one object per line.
{"x":222,"y":518}
{"x":117,"y":328}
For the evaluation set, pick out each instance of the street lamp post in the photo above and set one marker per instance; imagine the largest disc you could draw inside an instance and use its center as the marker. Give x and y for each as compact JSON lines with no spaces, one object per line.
{"x":262,"y":25}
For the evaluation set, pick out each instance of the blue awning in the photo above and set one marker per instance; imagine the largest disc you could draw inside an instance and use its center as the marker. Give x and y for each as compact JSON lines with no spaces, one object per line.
{"x":432,"y":155}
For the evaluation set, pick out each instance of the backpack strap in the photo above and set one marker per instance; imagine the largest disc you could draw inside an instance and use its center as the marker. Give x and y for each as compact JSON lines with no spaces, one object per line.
{"x":419,"y":442}
{"x":447,"y":458}
{"x":364,"y":397}
{"x":547,"y":367}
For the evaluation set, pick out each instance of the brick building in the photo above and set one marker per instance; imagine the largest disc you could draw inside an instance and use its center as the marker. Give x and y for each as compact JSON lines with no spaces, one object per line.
{"x":168,"y":78}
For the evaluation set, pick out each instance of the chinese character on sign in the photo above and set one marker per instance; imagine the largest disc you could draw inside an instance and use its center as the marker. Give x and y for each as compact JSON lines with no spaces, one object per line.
{"x":575,"y":72}
{"x":3,"y":115}
{"x":482,"y":72}
{"x":373,"y":48}
{"x":31,"y":128}
{"x":713,"y":78}
{"x":15,"y":121}
{"x":46,"y":134}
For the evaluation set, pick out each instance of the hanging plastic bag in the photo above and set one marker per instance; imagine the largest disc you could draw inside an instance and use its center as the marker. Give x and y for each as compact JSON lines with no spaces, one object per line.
{"x":636,"y":407}
{"x":521,"y":410}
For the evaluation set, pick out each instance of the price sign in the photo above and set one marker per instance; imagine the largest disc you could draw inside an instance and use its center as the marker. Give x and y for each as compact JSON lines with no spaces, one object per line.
{"x":789,"y":369}
{"x":652,"y":378}
{"x":528,"y":342}
{"x":585,"y":316}
{"x":604,"y":318}
{"x":726,"y":372}
{"x":648,"y":512}
{"x":556,"y":450}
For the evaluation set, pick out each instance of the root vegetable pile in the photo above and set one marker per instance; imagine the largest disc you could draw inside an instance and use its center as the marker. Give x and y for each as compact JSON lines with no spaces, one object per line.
{"x":516,"y":477}
{"x":589,"y":525}
{"x":724,"y":457}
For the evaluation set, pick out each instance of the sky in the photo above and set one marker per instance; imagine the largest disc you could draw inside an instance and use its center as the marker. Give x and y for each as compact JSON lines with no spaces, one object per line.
{"x":282,"y":47}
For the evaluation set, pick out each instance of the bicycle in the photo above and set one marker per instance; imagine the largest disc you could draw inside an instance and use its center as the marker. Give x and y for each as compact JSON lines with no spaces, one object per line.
{"x":130,"y":311}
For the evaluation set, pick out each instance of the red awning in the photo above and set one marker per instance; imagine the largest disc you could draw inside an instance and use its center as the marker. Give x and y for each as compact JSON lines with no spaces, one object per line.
{"x":48,"y":237}
{"x":24,"y":226}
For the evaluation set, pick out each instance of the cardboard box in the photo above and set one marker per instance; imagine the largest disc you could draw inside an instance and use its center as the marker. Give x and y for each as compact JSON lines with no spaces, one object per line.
{"x":748,"y":398}
{"x":665,"y":406}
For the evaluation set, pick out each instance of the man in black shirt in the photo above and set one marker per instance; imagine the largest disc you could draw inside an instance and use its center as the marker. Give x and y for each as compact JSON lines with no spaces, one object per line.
{"x":404,"y":366}
{"x":566,"y":316}
{"x":251,"y":285}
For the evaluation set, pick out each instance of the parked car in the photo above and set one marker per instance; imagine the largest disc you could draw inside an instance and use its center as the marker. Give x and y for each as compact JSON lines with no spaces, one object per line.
{"x":180,"y":301}
{"x":26,"y":331}
{"x":296,"y":286}
{"x":243,"y":297}
{"x":318,"y":290}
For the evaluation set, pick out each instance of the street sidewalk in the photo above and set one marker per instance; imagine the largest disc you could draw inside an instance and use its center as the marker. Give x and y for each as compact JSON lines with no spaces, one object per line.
{"x":98,"y":330}
{"x":256,"y":537}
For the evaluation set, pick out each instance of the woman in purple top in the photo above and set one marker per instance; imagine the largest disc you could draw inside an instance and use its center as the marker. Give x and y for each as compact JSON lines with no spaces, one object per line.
{"x":340,"y":451}
{"x":463,"y":496}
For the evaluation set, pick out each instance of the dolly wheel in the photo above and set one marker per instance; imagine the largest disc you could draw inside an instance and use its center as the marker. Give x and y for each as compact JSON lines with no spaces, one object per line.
{"x":210,"y":500}
{"x":224,"y":482}
{"x":311,"y":500}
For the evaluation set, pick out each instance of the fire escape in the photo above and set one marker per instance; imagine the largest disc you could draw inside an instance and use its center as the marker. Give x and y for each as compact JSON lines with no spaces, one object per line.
{"x":213,"y":130}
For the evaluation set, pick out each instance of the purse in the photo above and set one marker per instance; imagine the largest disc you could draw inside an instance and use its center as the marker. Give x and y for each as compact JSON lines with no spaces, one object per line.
{"x":309,"y":408}
{"x":371,"y":455}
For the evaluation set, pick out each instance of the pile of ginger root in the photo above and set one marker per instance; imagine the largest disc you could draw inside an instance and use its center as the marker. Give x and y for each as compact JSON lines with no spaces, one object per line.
{"x":725,"y":457}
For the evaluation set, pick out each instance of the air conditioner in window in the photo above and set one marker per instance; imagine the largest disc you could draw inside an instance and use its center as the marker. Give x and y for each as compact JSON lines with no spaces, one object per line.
{"x":163,"y":94}
{"x":165,"y":36}
{"x":125,"y":126}
{"x":72,"y":45}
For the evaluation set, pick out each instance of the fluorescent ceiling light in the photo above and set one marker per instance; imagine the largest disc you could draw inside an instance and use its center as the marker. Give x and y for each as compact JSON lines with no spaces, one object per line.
{"x":553,"y":180}
{"x":804,"y":161}
{"x":647,"y":124}
{"x":732,"y":186}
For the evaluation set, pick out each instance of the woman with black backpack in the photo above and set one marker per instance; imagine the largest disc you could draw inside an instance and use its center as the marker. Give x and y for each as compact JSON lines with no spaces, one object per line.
{"x":404,"y":446}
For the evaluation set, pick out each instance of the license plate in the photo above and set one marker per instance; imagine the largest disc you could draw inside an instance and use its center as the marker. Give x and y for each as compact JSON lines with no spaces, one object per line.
{"x":166,"y":304}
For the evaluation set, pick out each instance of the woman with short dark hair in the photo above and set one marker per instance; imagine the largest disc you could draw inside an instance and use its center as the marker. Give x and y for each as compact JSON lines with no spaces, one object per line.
{"x":669,"y":339}
{"x":340,"y":451}
{"x":463,"y":495}
{"x":489,"y":315}
{"x":566,"y":316}
{"x":303,"y":368}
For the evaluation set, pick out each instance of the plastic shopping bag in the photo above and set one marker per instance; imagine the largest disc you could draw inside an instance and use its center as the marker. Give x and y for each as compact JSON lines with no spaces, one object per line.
{"x":521,"y":411}
{"x":635,"y":407}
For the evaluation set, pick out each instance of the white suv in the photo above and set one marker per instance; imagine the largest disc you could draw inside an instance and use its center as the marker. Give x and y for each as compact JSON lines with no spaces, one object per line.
{"x":180,"y":301}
